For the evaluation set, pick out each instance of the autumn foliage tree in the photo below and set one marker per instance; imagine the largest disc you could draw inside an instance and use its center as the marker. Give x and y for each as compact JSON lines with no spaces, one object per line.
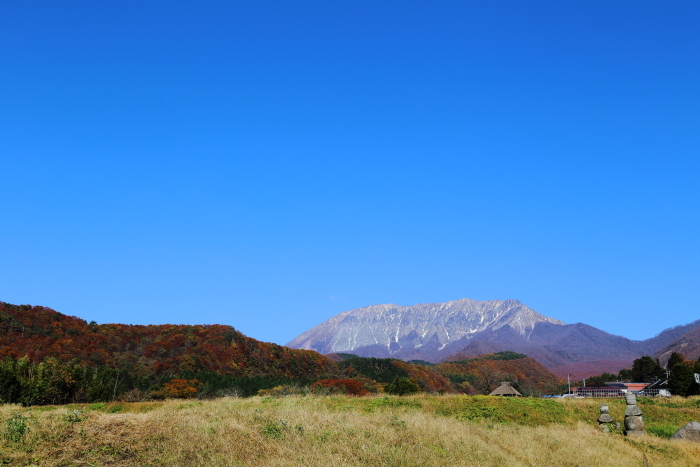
{"x":484,"y":373}
{"x":48,"y":357}
{"x":385,"y":370}
{"x":39,"y":333}
{"x":181,"y":388}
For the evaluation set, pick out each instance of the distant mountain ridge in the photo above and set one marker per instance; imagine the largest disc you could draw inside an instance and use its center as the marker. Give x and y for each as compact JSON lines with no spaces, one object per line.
{"x":685,"y":340}
{"x":467,"y":328}
{"x":425,"y":328}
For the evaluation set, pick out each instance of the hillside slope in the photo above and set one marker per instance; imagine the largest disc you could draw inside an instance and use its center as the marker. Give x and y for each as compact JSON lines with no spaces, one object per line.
{"x":39,"y":333}
{"x":575,"y":349}
{"x":687,"y":343}
{"x":484,"y":373}
{"x":474,"y":376}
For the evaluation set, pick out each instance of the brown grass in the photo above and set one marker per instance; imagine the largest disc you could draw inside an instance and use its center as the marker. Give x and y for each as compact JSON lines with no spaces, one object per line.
{"x":425,"y":431}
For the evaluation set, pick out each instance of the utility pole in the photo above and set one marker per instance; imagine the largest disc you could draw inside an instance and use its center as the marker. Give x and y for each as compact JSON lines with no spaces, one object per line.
{"x":568,"y":380}
{"x":584,"y":382}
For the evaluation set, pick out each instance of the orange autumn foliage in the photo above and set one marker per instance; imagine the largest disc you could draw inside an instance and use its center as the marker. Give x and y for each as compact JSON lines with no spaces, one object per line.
{"x":427,"y":378}
{"x":488,"y":373}
{"x":181,"y":388}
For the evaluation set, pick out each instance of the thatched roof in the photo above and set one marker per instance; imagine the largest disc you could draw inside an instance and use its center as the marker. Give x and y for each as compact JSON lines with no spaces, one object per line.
{"x":505,"y":389}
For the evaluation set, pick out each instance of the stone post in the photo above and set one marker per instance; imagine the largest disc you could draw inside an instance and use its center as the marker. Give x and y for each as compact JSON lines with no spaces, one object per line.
{"x":605,"y":419}
{"x":634,"y":425}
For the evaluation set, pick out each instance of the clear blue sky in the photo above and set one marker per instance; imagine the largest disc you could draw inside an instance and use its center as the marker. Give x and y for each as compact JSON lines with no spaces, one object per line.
{"x":270,"y":164}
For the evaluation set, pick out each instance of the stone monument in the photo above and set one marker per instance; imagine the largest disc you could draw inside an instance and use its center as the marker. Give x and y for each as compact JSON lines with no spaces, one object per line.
{"x":634,"y":425}
{"x":605,"y":419}
{"x":690,"y":431}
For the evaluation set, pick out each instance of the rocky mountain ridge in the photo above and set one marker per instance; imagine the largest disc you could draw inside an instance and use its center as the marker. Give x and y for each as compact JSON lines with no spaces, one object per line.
{"x":427,"y":326}
{"x":467,"y":328}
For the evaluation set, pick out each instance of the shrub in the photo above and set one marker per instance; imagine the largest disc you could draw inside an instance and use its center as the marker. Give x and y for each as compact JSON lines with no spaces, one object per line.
{"x":401,"y":386}
{"x":16,"y":427}
{"x":181,"y":388}
{"x":274,"y":430}
{"x":75,"y":416}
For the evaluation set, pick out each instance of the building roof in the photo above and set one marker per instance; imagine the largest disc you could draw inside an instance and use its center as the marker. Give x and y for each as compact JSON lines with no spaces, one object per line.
{"x":662,"y":383}
{"x":505,"y":389}
{"x":625,"y":385}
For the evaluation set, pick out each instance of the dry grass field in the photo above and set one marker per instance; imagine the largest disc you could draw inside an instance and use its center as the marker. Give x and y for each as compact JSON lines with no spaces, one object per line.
{"x":421,"y":431}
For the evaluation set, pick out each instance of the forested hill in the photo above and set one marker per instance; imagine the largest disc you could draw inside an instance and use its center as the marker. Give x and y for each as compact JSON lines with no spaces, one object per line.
{"x":50,"y":358}
{"x":40,"y":333}
{"x":486,"y":372}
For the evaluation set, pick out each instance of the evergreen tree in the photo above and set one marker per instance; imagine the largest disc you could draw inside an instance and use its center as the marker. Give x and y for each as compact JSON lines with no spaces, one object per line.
{"x":600,"y":380}
{"x":10,"y":387}
{"x":681,"y":378}
{"x":625,"y":375}
{"x":401,"y":386}
{"x":646,"y":370}
{"x":675,"y":359}
{"x":694,"y":388}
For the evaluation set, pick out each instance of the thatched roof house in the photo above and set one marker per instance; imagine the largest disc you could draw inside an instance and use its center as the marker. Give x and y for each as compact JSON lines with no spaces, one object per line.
{"x":505,"y":389}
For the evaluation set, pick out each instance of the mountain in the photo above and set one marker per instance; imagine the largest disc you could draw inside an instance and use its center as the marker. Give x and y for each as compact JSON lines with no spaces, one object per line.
{"x":47,"y":357}
{"x":467,"y":328}
{"x":575,"y":349}
{"x":688,"y":343}
{"x":421,"y":331}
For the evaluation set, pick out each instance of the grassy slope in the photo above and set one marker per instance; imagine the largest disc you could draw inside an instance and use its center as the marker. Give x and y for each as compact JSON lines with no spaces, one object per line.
{"x":343,"y":431}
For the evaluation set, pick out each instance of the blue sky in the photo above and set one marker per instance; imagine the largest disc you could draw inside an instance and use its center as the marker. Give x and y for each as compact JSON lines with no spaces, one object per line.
{"x":270,"y":164}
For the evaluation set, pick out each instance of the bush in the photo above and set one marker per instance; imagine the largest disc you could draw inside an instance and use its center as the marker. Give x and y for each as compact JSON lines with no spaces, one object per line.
{"x":16,"y":427}
{"x":274,"y":430}
{"x":401,"y":386}
{"x":181,"y":388}
{"x":75,"y":416}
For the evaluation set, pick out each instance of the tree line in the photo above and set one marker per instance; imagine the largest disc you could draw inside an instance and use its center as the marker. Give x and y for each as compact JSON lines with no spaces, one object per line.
{"x":679,"y":372}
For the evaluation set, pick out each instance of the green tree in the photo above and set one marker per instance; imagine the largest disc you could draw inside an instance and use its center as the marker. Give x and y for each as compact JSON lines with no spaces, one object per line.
{"x":10,"y":387}
{"x":680,"y":379}
{"x":646,"y":370}
{"x":401,"y":386}
{"x":675,"y":359}
{"x":625,"y":375}
{"x":600,"y":380}
{"x":694,"y":388}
